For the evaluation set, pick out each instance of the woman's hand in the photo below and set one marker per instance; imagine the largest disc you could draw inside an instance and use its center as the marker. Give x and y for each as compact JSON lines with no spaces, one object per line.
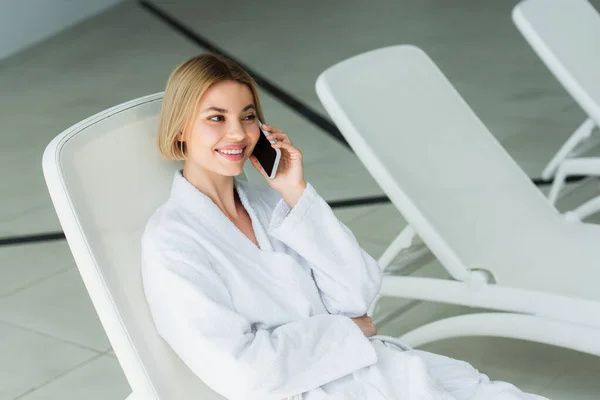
{"x":289,"y":179}
{"x":365,"y":323}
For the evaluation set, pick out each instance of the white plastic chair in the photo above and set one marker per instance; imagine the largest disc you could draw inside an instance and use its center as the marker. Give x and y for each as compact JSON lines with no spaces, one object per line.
{"x":505,"y":246}
{"x":106,"y":178}
{"x":565,"y":34}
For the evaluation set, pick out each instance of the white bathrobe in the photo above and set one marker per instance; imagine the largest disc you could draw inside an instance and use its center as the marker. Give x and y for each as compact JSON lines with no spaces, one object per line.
{"x":274,"y":322}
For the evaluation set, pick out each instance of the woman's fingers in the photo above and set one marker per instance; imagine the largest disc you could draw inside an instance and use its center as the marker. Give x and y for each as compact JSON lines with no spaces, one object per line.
{"x":281,"y":137}
{"x":273,"y":130}
{"x":288,"y":147}
{"x":276,"y":134}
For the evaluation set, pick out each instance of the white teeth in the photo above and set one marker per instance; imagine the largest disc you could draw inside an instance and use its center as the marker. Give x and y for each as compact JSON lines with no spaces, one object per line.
{"x":232,"y":151}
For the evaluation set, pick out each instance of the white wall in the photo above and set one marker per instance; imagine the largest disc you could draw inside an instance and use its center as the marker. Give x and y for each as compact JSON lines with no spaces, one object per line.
{"x":25,"y":22}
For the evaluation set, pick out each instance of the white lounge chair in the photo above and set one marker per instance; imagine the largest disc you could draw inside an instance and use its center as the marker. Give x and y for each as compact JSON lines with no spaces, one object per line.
{"x":565,"y":34}
{"x":106,"y":177}
{"x":505,"y":246}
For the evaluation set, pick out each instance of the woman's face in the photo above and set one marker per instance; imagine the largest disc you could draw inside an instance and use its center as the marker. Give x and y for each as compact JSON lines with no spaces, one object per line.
{"x":224,"y":130}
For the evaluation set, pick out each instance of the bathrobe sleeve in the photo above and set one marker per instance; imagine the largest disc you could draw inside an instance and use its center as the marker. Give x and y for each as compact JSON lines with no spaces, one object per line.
{"x":348,"y":278}
{"x":193,"y":311}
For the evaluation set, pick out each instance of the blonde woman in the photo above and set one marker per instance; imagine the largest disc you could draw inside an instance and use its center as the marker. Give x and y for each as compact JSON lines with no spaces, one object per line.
{"x":263,"y":293}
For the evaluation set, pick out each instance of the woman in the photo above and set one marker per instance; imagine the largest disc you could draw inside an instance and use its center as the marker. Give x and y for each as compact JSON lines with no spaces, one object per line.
{"x":263,"y":293}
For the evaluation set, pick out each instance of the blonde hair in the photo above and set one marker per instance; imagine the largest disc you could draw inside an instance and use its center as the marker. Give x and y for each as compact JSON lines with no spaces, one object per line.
{"x":185,"y":86}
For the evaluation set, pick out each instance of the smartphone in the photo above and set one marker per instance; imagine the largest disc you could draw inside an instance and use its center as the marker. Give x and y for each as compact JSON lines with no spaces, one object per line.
{"x":267,"y":156}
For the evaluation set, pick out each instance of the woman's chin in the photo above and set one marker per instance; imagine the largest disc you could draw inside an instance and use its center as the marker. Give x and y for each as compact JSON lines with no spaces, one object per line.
{"x":227,"y":167}
{"x":233,"y":170}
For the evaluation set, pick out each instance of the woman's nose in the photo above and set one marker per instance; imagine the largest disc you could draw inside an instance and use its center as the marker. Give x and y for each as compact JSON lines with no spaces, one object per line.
{"x":236,"y":131}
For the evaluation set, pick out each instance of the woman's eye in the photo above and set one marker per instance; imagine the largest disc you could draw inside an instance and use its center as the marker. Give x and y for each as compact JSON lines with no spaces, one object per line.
{"x":217,"y":118}
{"x":250,"y":117}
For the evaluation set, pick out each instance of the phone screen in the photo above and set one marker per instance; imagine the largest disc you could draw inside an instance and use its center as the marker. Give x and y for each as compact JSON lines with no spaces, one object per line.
{"x":264,"y":153}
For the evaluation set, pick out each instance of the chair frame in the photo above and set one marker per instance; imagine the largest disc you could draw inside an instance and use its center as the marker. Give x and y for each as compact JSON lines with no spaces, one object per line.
{"x":522,"y":314}
{"x":566,"y":162}
{"x":88,"y":266}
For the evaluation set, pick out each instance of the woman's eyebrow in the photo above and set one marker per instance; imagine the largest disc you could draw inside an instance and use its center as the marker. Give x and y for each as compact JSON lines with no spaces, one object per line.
{"x":217,"y":109}
{"x":224,"y":111}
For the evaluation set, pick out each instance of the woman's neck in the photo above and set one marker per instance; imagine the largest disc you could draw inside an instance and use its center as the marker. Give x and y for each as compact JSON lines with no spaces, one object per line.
{"x":219,"y":188}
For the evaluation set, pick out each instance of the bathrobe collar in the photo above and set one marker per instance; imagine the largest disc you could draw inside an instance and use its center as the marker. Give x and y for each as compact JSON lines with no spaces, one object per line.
{"x":201,"y":206}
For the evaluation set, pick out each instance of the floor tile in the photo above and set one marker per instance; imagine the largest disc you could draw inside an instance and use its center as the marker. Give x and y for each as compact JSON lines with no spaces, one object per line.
{"x":587,"y":362}
{"x":24,"y":192}
{"x":579,"y":194}
{"x":342,"y":178}
{"x":56,"y":83}
{"x":349,"y":214}
{"x":415,"y":314}
{"x":467,"y":349}
{"x":59,"y":307}
{"x":374,"y":226}
{"x":382,"y":224}
{"x":99,"y":379}
{"x":375,"y":250}
{"x":574,"y":384}
{"x":42,"y":219}
{"x":529,"y":366}
{"x":30,"y":359}
{"x":535,"y":145}
{"x":531,"y":376}
{"x":25,"y":264}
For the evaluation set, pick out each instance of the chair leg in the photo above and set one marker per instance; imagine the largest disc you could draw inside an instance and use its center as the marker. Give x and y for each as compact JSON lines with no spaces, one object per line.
{"x":403,"y":241}
{"x":581,"y":133}
{"x":550,"y":331}
{"x":588,"y":208}
{"x":575,"y":166}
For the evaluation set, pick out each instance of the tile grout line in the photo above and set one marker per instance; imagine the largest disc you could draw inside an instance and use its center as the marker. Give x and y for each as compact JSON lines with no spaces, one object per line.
{"x":22,"y":214}
{"x":559,"y":374}
{"x":108,"y":353}
{"x":40,"y":237}
{"x":37,"y":281}
{"x":49,"y":336}
{"x":60,"y":375}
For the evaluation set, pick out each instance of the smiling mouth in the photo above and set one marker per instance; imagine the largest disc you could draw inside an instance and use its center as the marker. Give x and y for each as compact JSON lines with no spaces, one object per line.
{"x":232,"y":152}
{"x":235,"y":155}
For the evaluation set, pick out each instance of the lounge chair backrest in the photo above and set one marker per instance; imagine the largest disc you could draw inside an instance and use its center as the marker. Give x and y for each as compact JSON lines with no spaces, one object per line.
{"x":444,"y":170}
{"x":106,"y":178}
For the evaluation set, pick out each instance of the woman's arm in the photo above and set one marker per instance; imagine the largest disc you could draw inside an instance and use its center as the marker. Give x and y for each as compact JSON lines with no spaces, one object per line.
{"x":193,"y":312}
{"x":349,"y":279}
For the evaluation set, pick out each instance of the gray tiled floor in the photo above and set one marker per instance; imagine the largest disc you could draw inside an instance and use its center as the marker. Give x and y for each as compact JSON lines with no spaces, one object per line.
{"x":53,"y":346}
{"x":98,"y":379}
{"x":27,"y":264}
{"x":30,"y":359}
